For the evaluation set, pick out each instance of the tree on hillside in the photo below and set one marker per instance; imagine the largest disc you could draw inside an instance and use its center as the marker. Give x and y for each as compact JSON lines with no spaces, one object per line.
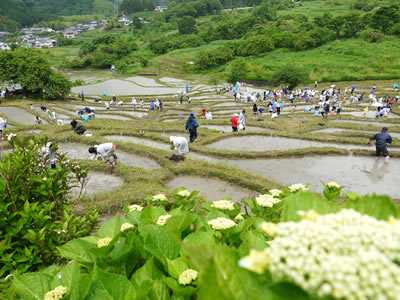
{"x":385,"y":17}
{"x":290,"y":75}
{"x":265,"y":12}
{"x":187,"y":25}
{"x":32,"y":71}
{"x":237,"y":71}
{"x":131,"y":6}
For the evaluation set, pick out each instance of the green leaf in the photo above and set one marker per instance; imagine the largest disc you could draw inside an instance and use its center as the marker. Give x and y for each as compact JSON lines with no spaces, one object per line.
{"x":159,"y":291}
{"x":69,"y":276}
{"x":151,"y":213}
{"x":79,"y":249}
{"x":32,"y":286}
{"x":110,"y":286}
{"x":148,"y":272}
{"x":159,"y":242}
{"x":352,"y":195}
{"x":176,"y":267}
{"x":200,"y":237}
{"x":111,"y":228}
{"x":178,"y":223}
{"x":178,"y":289}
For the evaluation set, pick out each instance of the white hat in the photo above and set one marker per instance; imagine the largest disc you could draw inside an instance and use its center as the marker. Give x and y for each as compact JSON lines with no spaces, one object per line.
{"x":235,"y":114}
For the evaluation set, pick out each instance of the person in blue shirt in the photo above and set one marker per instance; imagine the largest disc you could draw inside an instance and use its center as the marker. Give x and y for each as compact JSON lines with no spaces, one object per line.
{"x":191,"y":125}
{"x":382,"y":139}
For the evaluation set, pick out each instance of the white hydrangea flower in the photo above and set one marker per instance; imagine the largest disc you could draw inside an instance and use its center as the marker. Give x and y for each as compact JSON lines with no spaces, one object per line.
{"x":256,"y":261}
{"x":223,"y":204}
{"x":163,"y":219}
{"x":56,"y":294}
{"x":187,"y":276}
{"x":269,"y":228}
{"x":184,"y":193}
{"x":239,"y":218}
{"x":126,"y":226}
{"x":135,"y":207}
{"x":342,"y":255}
{"x":297,"y":187}
{"x":221,"y":223}
{"x":104,"y":242}
{"x":275,"y":192}
{"x":160,"y":197}
{"x":267,"y":200}
{"x":333,"y":184}
{"x":10,"y":136}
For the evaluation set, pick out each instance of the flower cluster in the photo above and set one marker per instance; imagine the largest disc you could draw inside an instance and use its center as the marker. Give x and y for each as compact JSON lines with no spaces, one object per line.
{"x":187,"y":276}
{"x":163,"y":219}
{"x":257,"y":261}
{"x":344,"y":255}
{"x":267,"y":200}
{"x":297,"y":187}
{"x":126,"y":226}
{"x":104,"y":242}
{"x":275,"y":192}
{"x":160,"y":197}
{"x":223,"y":204}
{"x":239,"y":217}
{"x":135,"y":207}
{"x":56,"y":294}
{"x":184,"y":193}
{"x":333,"y":185}
{"x":221,"y":223}
{"x":10,"y":136}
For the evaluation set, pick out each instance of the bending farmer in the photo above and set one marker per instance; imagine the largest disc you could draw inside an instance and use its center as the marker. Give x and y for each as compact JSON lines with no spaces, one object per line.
{"x":180,"y":144}
{"x":105,"y":151}
{"x":382,"y":138}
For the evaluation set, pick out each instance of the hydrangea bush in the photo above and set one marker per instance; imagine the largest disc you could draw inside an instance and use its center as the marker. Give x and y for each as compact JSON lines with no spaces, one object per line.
{"x":289,"y":244}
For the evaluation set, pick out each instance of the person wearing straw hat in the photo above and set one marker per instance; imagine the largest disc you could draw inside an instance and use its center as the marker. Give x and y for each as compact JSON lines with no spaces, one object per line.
{"x":234,"y":121}
{"x":382,"y":139}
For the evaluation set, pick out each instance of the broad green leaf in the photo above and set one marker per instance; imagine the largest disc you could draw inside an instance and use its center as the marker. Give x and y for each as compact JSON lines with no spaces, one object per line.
{"x":69,"y":276}
{"x":111,"y":228}
{"x":179,"y":289}
{"x":78,"y":249}
{"x":200,"y":237}
{"x":151,"y":213}
{"x":352,"y":195}
{"x":110,"y":286}
{"x":284,"y":291}
{"x":32,"y":286}
{"x":159,"y":242}
{"x":159,"y":291}
{"x":148,"y":272}
{"x":254,"y":239}
{"x":176,"y":267}
{"x":178,"y":223}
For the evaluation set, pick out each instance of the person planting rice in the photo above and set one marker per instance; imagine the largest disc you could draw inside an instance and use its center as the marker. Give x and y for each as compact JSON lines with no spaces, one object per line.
{"x":78,"y":127}
{"x":179,"y":144}
{"x":382,"y":139}
{"x":105,"y":152}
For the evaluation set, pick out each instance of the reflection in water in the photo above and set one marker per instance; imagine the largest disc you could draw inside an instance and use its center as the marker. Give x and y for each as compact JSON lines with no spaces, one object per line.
{"x":378,"y":171}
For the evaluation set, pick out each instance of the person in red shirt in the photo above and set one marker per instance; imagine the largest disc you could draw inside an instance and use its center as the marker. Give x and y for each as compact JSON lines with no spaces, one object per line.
{"x":234,"y":121}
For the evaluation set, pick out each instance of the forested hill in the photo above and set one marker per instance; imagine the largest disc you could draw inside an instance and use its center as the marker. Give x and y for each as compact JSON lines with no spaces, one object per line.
{"x":27,"y":12}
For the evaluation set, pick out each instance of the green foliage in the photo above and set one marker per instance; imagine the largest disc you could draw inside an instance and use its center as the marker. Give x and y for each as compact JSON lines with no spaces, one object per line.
{"x":34,"y":214}
{"x":237,"y":71}
{"x":291,"y":75}
{"x":255,"y":45}
{"x":132,"y":6}
{"x":147,"y":259}
{"x":371,"y":36}
{"x":187,"y":25}
{"x":164,"y":45}
{"x":32,"y":71}
{"x":219,"y":56}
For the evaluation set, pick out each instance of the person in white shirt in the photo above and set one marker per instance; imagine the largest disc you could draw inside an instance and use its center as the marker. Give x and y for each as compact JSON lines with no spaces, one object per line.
{"x":180,"y":144}
{"x":3,"y":124}
{"x":134,"y":103}
{"x":105,"y":152}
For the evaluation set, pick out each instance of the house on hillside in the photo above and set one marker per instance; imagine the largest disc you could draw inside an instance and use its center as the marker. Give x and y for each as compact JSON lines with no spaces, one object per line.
{"x":4,"y":47}
{"x":160,"y":8}
{"x":45,"y":43}
{"x":125,"y":20}
{"x":94,"y":24}
{"x":70,"y":34}
{"x":103,"y":22}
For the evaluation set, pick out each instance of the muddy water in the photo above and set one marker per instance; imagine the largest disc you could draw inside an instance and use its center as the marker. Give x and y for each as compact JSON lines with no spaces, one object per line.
{"x":114,"y":117}
{"x":19,"y":115}
{"x":227,"y":128}
{"x":80,"y":151}
{"x":379,"y":124}
{"x":330,"y":130}
{"x":359,"y":174}
{"x":265,"y":143}
{"x":227,"y":104}
{"x":144,"y":81}
{"x":97,"y":183}
{"x":137,"y":114}
{"x":136,"y":140}
{"x":122,"y":88}
{"x":212,"y":189}
{"x":159,"y":145}
{"x":369,"y":115}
